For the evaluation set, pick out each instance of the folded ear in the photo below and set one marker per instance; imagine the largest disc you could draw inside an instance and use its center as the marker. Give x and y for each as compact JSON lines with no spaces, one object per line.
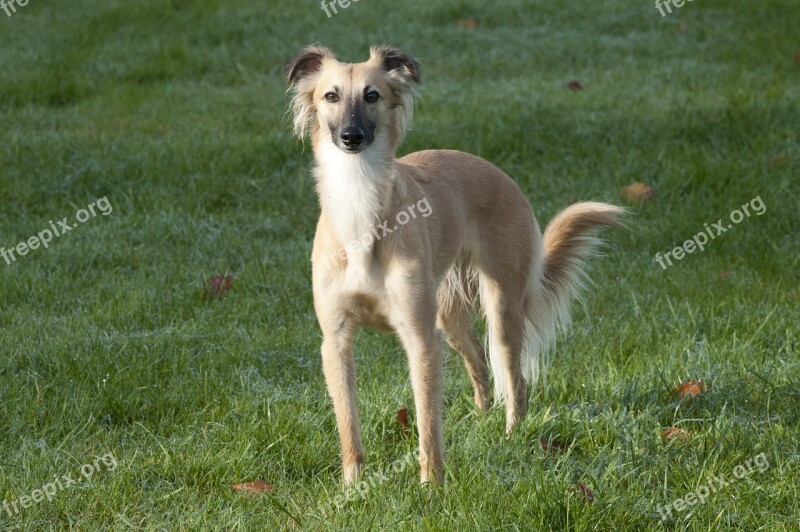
{"x":308,"y":61}
{"x":396,"y":60}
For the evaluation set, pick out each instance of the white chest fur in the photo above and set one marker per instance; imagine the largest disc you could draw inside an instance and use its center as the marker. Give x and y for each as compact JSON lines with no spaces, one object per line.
{"x":353,"y":192}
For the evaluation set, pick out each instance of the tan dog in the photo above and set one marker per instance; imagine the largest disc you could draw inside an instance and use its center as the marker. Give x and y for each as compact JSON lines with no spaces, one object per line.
{"x":409,"y":244}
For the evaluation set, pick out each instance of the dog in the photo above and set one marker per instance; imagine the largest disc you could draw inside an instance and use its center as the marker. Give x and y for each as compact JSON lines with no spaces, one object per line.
{"x":477,"y":246}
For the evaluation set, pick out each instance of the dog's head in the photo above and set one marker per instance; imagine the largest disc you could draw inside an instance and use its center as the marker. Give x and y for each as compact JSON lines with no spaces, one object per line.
{"x":353,"y":105}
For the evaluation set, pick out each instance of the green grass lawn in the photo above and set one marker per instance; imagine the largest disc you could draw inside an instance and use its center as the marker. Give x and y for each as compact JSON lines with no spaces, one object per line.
{"x":175,"y":111}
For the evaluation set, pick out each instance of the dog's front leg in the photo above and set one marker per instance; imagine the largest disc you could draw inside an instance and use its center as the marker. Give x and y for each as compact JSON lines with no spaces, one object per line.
{"x":413,"y":317}
{"x":340,"y":377}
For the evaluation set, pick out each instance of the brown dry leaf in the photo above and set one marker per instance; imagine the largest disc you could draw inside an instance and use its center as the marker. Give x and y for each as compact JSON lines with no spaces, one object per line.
{"x":218,"y":284}
{"x":574,"y":85}
{"x":638,"y":192}
{"x":797,"y":58}
{"x":779,"y":160}
{"x":402,"y":417}
{"x":674,"y":432}
{"x":724,"y":274}
{"x":689,"y":389}
{"x":251,"y":489}
{"x":553,"y":446}
{"x":468,"y":23}
{"x":583,"y":491}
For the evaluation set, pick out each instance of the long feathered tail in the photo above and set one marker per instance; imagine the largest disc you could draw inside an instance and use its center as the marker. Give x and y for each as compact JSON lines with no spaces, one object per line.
{"x":560,"y":276}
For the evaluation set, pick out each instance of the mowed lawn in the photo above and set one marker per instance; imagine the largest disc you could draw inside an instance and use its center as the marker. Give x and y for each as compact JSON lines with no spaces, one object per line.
{"x":173,"y":113}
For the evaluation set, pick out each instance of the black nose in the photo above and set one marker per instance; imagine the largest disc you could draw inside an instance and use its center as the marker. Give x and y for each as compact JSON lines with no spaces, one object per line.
{"x":352,"y":136}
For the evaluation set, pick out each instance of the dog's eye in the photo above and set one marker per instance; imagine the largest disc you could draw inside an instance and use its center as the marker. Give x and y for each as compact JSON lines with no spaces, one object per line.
{"x":331,"y":97}
{"x":372,"y":97}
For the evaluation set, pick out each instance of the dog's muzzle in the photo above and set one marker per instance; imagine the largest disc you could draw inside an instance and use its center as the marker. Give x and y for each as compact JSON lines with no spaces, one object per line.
{"x":351,"y":139}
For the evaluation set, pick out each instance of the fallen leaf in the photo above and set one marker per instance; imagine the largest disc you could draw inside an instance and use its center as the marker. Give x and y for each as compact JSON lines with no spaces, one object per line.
{"x":251,"y":489}
{"x":402,"y":417}
{"x":797,"y":58}
{"x":674,"y":432}
{"x":689,"y":389}
{"x":779,"y":160}
{"x":574,"y":85}
{"x":468,"y":23}
{"x":724,"y":274}
{"x":583,"y":491}
{"x":638,"y":192}
{"x":218,"y":284}
{"x":553,"y":446}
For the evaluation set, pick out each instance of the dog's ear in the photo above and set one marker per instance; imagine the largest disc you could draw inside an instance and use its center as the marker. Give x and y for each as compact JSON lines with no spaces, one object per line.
{"x":308,"y":61}
{"x":402,"y":77}
{"x":396,"y":60}
{"x":300,"y":74}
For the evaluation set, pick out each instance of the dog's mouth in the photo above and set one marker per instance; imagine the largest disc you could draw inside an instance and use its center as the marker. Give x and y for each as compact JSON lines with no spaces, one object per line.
{"x":353,"y":150}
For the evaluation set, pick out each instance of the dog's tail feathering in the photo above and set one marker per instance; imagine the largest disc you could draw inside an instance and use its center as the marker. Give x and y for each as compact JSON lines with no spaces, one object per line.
{"x":558,"y":276}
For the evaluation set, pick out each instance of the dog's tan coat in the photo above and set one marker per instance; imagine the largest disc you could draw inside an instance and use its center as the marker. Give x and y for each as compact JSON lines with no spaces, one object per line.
{"x":479,"y":242}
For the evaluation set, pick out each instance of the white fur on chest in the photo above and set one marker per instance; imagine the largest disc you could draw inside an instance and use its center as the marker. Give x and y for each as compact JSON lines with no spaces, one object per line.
{"x":351,"y":190}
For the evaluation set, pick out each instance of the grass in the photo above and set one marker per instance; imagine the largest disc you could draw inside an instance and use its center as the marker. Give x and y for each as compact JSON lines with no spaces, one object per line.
{"x":175,"y":111}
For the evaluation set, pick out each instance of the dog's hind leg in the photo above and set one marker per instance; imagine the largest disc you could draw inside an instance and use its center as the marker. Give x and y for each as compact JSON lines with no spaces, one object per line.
{"x":455,"y":318}
{"x":505,"y":319}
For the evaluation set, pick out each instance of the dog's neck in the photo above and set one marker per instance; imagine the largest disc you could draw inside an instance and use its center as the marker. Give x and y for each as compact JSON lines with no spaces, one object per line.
{"x":355,"y":191}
